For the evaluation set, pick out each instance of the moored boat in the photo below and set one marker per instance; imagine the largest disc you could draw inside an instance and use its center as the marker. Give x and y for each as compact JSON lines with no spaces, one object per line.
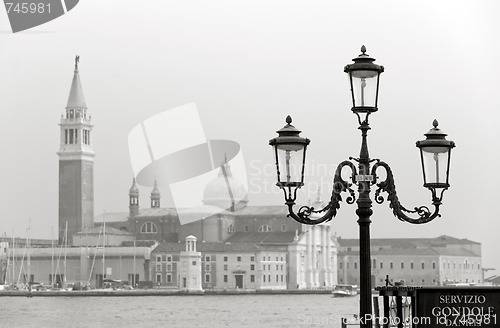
{"x":344,"y":290}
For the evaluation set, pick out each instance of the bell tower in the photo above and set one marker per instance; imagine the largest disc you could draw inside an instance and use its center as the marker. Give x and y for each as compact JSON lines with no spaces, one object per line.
{"x":155,"y":197}
{"x":76,"y":164}
{"x":133,"y":197}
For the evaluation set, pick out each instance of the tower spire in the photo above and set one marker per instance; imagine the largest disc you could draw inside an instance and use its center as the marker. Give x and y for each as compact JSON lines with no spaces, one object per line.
{"x":76,"y":100}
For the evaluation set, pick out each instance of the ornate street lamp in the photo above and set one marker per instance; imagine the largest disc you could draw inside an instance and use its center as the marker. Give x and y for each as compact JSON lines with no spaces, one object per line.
{"x":290,"y":152}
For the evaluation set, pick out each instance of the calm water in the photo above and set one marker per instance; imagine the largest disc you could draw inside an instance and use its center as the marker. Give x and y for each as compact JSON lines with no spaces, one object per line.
{"x":256,"y":311}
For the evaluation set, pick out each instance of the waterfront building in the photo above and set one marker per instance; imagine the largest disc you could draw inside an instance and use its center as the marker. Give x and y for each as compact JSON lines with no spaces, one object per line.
{"x":60,"y":266}
{"x":414,"y":261}
{"x":226,"y":265}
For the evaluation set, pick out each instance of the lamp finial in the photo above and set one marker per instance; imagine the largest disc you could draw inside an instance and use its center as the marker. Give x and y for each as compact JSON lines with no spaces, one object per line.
{"x":288,"y":119}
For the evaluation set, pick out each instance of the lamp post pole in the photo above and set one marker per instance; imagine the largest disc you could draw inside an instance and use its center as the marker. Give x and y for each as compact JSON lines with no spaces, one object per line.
{"x":364,"y":213}
{"x":290,"y":154}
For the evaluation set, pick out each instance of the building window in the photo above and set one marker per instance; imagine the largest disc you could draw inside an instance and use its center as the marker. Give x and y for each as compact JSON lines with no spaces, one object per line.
{"x":252,"y":258}
{"x":194,"y":262}
{"x":66,"y":136}
{"x":391,"y":265}
{"x":283,"y":227}
{"x":158,"y":267}
{"x":225,"y":278}
{"x":269,"y":267}
{"x":238,"y":258}
{"x":381,"y":265}
{"x":252,"y":267}
{"x":158,"y":278}
{"x":230,"y":229}
{"x":264,"y":228}
{"x":402,"y":265}
{"x":207,"y":258}
{"x":169,"y":258}
{"x":282,"y":267}
{"x":225,"y":267}
{"x":340,"y":265}
{"x":225,"y":258}
{"x":158,"y":258}
{"x":264,"y":278}
{"x":411,"y":265}
{"x":434,"y":265}
{"x":246,"y":228}
{"x":276,"y":259}
{"x":277,"y":278}
{"x":276,"y":267}
{"x":355,"y":265}
{"x":263,"y":267}
{"x":149,"y":227}
{"x":169,"y":277}
{"x":169,"y":267}
{"x":423,"y":265}
{"x":207,"y":267}
{"x":207,"y":277}
{"x":252,"y":278}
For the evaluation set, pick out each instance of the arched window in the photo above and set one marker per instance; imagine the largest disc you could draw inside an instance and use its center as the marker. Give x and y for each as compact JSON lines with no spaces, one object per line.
{"x":149,"y":227}
{"x":283,"y":227}
{"x":264,"y":228}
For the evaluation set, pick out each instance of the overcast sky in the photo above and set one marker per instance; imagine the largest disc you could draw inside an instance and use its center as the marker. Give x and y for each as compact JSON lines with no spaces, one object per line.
{"x":246,"y":65}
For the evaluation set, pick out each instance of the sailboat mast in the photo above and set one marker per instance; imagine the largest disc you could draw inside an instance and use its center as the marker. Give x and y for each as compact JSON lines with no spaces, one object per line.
{"x":52,"y":259}
{"x":13,"y":278}
{"x":65,"y":250}
{"x":28,"y":244}
{"x":104,"y":248}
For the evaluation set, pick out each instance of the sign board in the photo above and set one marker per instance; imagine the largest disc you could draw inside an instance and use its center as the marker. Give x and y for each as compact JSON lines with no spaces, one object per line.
{"x":457,"y":307}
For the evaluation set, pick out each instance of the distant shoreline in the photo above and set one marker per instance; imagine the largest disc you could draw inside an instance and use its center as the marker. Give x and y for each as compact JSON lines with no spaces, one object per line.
{"x":159,"y":292}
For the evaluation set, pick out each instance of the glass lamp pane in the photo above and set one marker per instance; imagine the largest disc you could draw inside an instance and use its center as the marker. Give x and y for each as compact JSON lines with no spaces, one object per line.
{"x":364,"y":88}
{"x":290,"y":161}
{"x":435,"y":165}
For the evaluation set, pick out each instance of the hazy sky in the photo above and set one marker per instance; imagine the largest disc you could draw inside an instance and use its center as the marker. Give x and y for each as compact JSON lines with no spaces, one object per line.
{"x":246,"y":65}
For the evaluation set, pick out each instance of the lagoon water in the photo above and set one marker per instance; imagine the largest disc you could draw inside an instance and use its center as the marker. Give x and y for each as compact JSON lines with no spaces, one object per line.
{"x":214,"y":311}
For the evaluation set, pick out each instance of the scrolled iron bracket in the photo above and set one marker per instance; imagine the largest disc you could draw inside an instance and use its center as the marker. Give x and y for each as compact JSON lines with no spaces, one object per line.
{"x":424,"y":213}
{"x":339,"y":186}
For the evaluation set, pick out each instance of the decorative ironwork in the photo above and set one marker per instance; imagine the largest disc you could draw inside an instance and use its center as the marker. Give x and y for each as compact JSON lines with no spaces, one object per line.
{"x":399,"y":210}
{"x":339,"y":186}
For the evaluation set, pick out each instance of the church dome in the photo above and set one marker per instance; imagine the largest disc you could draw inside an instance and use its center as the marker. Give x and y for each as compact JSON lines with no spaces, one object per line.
{"x":225,"y":191}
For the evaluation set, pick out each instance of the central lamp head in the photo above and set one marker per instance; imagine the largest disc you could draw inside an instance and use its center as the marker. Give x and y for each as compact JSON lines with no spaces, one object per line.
{"x":364,"y":80}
